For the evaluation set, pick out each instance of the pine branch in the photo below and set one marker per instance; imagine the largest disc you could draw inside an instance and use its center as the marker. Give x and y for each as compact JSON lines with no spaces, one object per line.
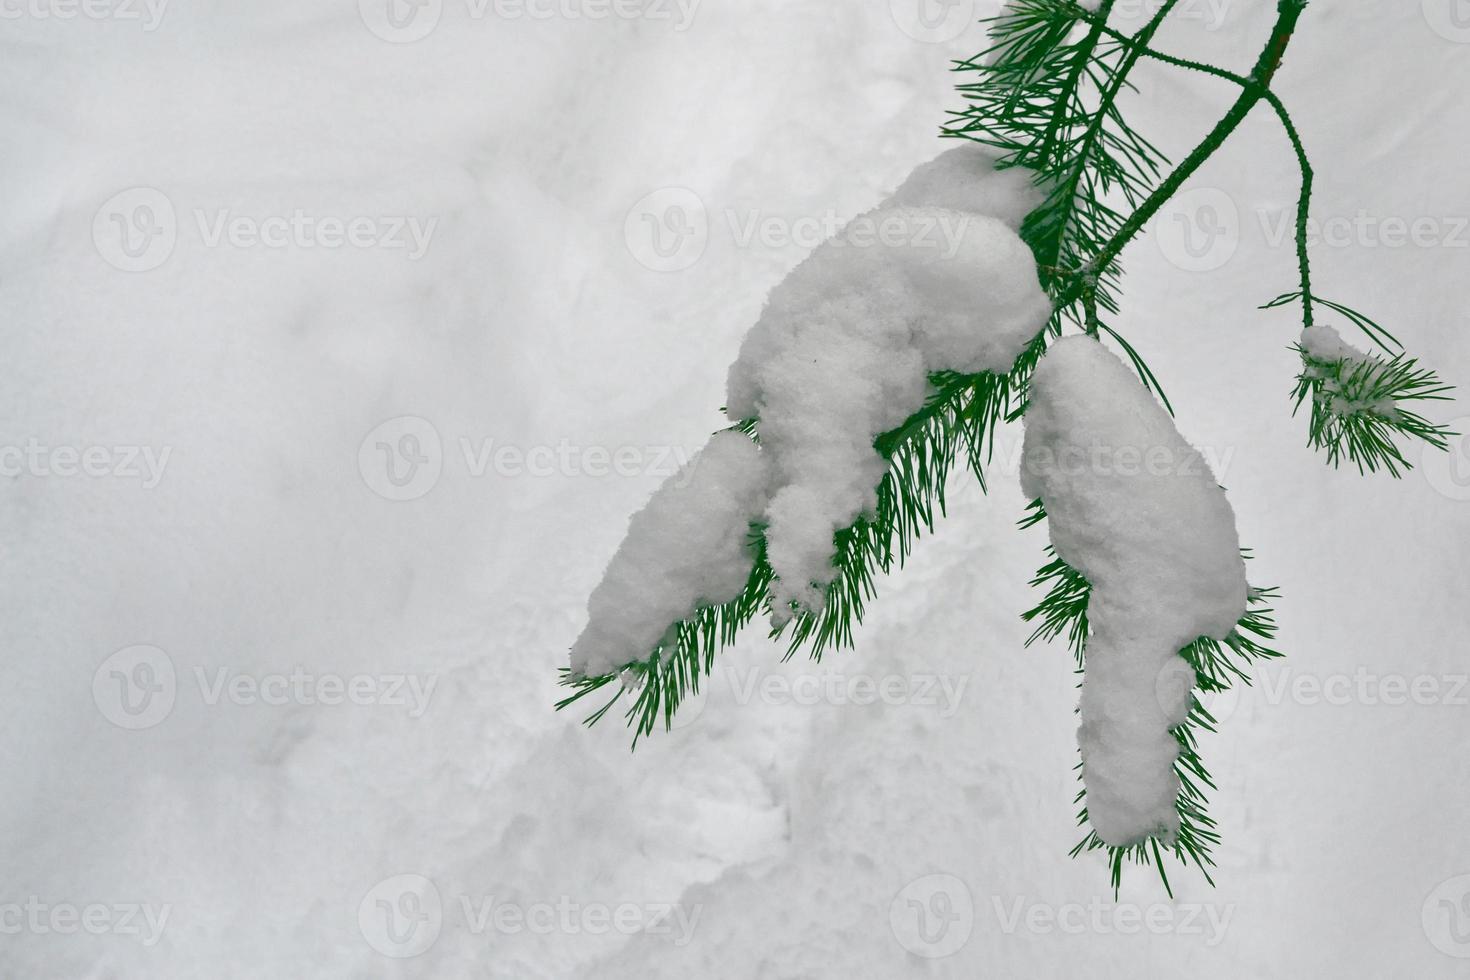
{"x":1288,"y":13}
{"x":1358,"y":404}
{"x":1048,"y":101}
{"x":962,"y":413}
{"x":1139,"y":44}
{"x":1358,"y":407}
{"x":1047,"y":97}
{"x":1218,"y":666}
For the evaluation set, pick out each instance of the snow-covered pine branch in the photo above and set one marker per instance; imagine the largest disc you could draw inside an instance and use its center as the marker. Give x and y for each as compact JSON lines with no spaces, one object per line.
{"x":1135,"y":509}
{"x":689,"y":547}
{"x":842,"y":353}
{"x":918,"y":329}
{"x":1360,"y":401}
{"x":846,"y":344}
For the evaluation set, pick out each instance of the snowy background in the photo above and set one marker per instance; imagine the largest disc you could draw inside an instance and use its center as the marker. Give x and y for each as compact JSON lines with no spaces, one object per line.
{"x":339,"y":343}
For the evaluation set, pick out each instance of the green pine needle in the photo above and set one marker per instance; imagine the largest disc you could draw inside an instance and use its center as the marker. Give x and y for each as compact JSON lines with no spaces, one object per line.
{"x":1358,"y":410}
{"x":1358,"y":406}
{"x":962,"y":413}
{"x":1218,"y":666}
{"x":1046,"y":97}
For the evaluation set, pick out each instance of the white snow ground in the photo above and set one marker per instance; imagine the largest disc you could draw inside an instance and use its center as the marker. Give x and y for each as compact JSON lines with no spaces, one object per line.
{"x":797,"y":839}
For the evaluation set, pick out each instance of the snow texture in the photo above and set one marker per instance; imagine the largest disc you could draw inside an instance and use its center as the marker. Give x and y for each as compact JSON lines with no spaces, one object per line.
{"x":844,"y":347}
{"x":1324,"y":343}
{"x":1135,"y":509}
{"x":795,"y":826}
{"x":689,"y":547}
{"x":965,"y":179}
{"x":1330,"y":359}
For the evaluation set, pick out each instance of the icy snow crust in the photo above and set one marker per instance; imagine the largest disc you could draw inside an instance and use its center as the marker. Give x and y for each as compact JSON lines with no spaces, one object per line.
{"x":1134,"y":508}
{"x":841,"y":354}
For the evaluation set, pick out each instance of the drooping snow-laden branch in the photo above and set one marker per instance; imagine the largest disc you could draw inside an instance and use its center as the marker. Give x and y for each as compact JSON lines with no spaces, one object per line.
{"x":873,"y":365}
{"x":935,"y":280}
{"x":1135,"y":510}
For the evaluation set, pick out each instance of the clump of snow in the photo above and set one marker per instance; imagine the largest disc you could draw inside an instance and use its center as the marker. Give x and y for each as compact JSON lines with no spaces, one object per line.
{"x":1332,"y":361}
{"x":689,"y":547}
{"x":1324,"y":343}
{"x":1134,"y":508}
{"x":844,"y":347}
{"x":965,"y":179}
